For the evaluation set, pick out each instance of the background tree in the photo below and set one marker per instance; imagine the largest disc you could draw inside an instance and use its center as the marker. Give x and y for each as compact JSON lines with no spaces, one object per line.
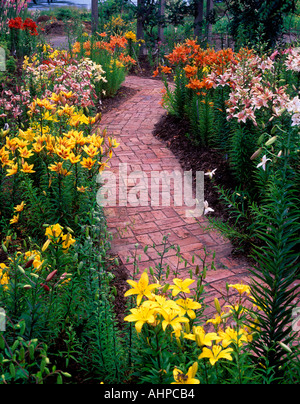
{"x":198,"y":6}
{"x":209,"y":19}
{"x":162,"y":5}
{"x":95,"y":15}
{"x":257,"y":20}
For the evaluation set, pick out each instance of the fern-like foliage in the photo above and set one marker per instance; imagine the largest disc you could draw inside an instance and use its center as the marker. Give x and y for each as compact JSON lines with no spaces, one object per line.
{"x":277,"y":268}
{"x":221,"y":138}
{"x":243,"y":143}
{"x":242,"y":222}
{"x":201,"y":116}
{"x":177,"y":98}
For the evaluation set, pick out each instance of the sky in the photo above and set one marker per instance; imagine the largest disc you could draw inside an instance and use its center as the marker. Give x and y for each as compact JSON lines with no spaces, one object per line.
{"x":43,"y":4}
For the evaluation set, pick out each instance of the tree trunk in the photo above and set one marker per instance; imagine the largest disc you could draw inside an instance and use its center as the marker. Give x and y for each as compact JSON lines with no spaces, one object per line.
{"x":162,"y":4}
{"x":139,"y":25}
{"x":198,"y":21}
{"x":95,"y":15}
{"x":209,"y":9}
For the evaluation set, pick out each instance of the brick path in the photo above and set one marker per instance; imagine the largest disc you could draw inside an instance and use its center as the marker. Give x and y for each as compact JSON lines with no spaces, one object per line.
{"x":132,"y":125}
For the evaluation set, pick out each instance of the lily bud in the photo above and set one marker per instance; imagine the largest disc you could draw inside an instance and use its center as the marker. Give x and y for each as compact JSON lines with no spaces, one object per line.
{"x":285,"y":347}
{"x":46,"y":288}
{"x":51,"y":275}
{"x":29,"y":263}
{"x":256,"y":154}
{"x":46,"y":245}
{"x":97,"y":117}
{"x":217,"y":305}
{"x":271,"y":141}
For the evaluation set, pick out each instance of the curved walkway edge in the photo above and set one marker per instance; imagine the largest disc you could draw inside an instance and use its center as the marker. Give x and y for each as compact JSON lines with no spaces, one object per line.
{"x":132,"y":124}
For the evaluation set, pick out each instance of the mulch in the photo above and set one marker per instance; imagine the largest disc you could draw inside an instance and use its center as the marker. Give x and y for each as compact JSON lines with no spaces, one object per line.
{"x":173,"y":131}
{"x":109,"y":103}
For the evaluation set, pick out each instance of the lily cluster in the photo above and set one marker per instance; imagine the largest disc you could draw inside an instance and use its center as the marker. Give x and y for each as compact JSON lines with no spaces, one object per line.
{"x":10,"y":9}
{"x":27,"y":25}
{"x":167,"y":307}
{"x":116,"y":45}
{"x":249,"y":80}
{"x":57,"y":237}
{"x":196,"y":63}
{"x":33,"y":273}
{"x":54,"y":72}
{"x":57,"y":142}
{"x":60,"y":154}
{"x":158,"y":308}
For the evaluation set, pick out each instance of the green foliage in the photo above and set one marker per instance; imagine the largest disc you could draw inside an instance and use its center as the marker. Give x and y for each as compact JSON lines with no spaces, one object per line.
{"x":175,"y":101}
{"x":243,"y":143}
{"x":250,"y":17}
{"x":91,"y":310}
{"x":222,"y":127}
{"x":200,"y":114}
{"x":24,"y":361}
{"x":115,"y":73}
{"x":276,"y":269}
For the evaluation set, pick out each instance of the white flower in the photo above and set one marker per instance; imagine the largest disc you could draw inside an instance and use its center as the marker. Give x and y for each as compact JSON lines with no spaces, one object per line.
{"x":210,"y":173}
{"x":263,"y":162}
{"x":207,"y":208}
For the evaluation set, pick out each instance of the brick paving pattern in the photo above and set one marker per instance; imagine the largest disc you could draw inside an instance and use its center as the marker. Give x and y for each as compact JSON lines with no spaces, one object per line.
{"x":132,"y":125}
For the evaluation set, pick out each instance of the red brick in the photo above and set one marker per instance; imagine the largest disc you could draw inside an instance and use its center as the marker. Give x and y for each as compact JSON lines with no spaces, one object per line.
{"x":133,"y":123}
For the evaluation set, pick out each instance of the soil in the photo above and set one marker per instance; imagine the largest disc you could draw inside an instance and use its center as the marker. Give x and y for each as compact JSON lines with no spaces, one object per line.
{"x":173,"y":132}
{"x":124,"y":93}
{"x":121,"y":275}
{"x":143,"y":68}
{"x":52,"y":26}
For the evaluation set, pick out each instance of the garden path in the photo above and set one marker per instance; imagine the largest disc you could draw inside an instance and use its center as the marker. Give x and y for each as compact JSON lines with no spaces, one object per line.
{"x":132,"y":124}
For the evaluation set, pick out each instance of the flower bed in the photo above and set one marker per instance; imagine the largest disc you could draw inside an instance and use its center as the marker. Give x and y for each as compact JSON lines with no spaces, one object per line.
{"x":57,"y":284}
{"x":245,"y":106}
{"x":53,"y":234}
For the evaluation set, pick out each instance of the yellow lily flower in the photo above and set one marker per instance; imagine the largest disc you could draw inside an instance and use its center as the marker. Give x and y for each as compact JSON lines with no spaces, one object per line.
{"x":189,"y":305}
{"x":189,"y":378}
{"x":74,"y":159}
{"x":112,"y":142}
{"x":26,"y":168}
{"x":87,"y":163}
{"x":55,"y":231}
{"x":82,"y":189}
{"x":76,"y":119}
{"x":181,"y":286}
{"x":161,"y":303}
{"x":141,"y":288}
{"x":140,"y":315}
{"x":25,"y":153}
{"x":200,"y":337}
{"x":230,"y":335}
{"x":13,"y":170}
{"x":14,"y":220}
{"x":19,"y":208}
{"x":241,"y":288}
{"x":4,"y":278}
{"x":68,"y":240}
{"x":172,"y":318}
{"x":216,"y":353}
{"x":90,"y":150}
